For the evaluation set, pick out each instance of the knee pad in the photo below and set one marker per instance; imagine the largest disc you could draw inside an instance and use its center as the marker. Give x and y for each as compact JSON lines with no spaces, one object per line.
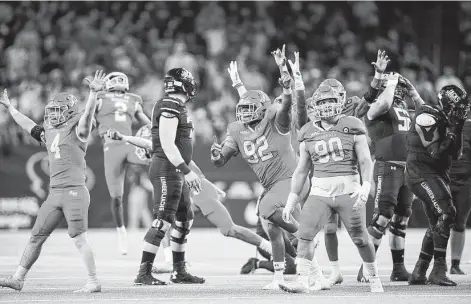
{"x":399,"y":225}
{"x":378,"y":225}
{"x":157,"y":232}
{"x":181,"y":230}
{"x":330,"y":228}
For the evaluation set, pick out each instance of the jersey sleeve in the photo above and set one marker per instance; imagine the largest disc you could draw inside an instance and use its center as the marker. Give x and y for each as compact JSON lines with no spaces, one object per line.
{"x":230,"y":140}
{"x":38,"y":133}
{"x":302,"y":133}
{"x":353,"y":125}
{"x":167,"y":108}
{"x":350,"y":106}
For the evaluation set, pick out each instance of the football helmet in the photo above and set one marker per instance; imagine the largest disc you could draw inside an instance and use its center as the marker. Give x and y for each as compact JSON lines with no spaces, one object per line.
{"x":143,"y":132}
{"x":60,"y":109}
{"x":180,"y":80}
{"x":252,"y":106}
{"x":452,"y":97}
{"x":116,"y":81}
{"x":400,"y":91}
{"x":328,"y":100}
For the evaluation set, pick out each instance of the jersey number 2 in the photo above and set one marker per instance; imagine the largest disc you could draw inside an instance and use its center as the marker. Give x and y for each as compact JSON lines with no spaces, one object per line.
{"x":121,"y":109}
{"x":255,"y":155}
{"x":55,"y":146}
{"x":403,"y":119}
{"x":330,"y":149}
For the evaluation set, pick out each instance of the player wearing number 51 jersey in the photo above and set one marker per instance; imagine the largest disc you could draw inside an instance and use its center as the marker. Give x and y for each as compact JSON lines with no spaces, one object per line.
{"x":65,"y":134}
{"x":388,"y":122}
{"x":262,"y":137}
{"x":115,"y":111}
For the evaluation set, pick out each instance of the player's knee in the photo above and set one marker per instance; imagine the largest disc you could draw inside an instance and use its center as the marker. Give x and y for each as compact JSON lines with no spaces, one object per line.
{"x":80,"y":240}
{"x":38,"y":239}
{"x":330,"y":228}
{"x":443,"y":226}
{"x":181,"y":230}
{"x":459,"y":227}
{"x":157,"y":231}
{"x":399,"y":225}
{"x":360,"y":240}
{"x":116,"y":201}
{"x":378,"y":226}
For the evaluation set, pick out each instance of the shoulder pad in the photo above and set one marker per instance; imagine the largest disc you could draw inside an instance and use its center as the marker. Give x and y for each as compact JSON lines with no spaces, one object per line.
{"x":350,"y":106}
{"x":425,"y":120}
{"x":352,"y":125}
{"x":136,"y":97}
{"x":303,"y":131}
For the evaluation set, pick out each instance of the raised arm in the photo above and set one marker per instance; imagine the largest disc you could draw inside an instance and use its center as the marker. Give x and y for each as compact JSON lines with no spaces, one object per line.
{"x":413,"y":94}
{"x":236,"y":81}
{"x":301,"y":110}
{"x":85,"y":124}
{"x":22,"y":120}
{"x":283,"y":114}
{"x":385,"y":99}
{"x":222,"y":153}
{"x":133,"y":140}
{"x":369,"y":97}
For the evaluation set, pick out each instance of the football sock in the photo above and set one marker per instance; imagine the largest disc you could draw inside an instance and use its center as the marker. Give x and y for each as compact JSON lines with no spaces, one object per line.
{"x":439,"y":253}
{"x":335,"y":266}
{"x":168,"y":255}
{"x":397,"y":256}
{"x":268,"y":265}
{"x":371,"y":269}
{"x":303,"y":268}
{"x":457,"y":240}
{"x":88,"y":257}
{"x":20,"y":273}
{"x":178,"y":256}
{"x":148,"y":257}
{"x":455,"y":262}
{"x":279,"y":268}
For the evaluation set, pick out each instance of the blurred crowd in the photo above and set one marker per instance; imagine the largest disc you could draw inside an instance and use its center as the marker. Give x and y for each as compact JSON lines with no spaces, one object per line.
{"x":47,"y":47}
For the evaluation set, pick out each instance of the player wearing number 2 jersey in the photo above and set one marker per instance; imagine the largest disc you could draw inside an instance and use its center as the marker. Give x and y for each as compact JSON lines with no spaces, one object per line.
{"x":262,"y":136}
{"x":388,"y":122}
{"x":333,"y":147}
{"x":115,"y":111}
{"x":65,"y":134}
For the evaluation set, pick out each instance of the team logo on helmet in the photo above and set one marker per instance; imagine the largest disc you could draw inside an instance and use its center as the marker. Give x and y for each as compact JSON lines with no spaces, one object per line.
{"x":252,"y":106}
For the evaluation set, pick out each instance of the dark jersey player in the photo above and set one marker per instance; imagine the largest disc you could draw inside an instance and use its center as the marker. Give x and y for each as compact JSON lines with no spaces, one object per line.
{"x":434,"y":139}
{"x":172,"y":179}
{"x":460,"y":174}
{"x":65,"y":133}
{"x":116,"y":109}
{"x":388,"y":122}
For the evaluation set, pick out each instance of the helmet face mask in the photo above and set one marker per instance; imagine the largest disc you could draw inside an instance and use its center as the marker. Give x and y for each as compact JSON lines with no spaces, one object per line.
{"x":116,"y":81}
{"x":60,"y":109}
{"x":252,"y":106}
{"x":328,"y":101}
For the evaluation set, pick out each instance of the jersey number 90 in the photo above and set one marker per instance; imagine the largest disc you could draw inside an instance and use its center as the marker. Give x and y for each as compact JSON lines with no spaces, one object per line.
{"x":330,"y":149}
{"x":255,"y":154}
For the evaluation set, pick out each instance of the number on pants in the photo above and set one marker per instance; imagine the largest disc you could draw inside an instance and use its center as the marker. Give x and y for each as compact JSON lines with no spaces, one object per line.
{"x":332,"y":149}
{"x":121,"y":109}
{"x":255,"y":155}
{"x":403,"y":119}
{"x":55,"y":146}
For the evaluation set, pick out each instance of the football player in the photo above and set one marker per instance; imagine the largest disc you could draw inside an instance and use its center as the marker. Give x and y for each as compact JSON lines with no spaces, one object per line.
{"x":172,"y":179}
{"x":388,"y":122}
{"x":65,"y":133}
{"x":460,"y":174}
{"x":208,"y":201}
{"x":434,"y":139}
{"x":115,"y":110}
{"x":333,"y":147}
{"x":262,"y":136}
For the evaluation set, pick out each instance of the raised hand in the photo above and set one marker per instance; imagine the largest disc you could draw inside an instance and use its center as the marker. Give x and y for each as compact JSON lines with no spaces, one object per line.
{"x":4,"y":100}
{"x":285,"y":80}
{"x":280,"y":57}
{"x":98,"y":82}
{"x":382,"y":61}
{"x":295,"y":66}
{"x":216,"y":148}
{"x":232,"y":69}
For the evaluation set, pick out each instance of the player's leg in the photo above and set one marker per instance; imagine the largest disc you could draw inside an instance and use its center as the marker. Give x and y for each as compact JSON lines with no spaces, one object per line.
{"x":461,"y":195}
{"x":168,"y":188}
{"x":397,"y":234}
{"x":315,"y":214}
{"x":436,"y":198}
{"x":75,"y":203}
{"x":178,"y":238}
{"x":115,"y":158}
{"x":49,"y":217}
{"x":332,"y":248}
{"x":354,"y":221}
{"x":167,"y":266}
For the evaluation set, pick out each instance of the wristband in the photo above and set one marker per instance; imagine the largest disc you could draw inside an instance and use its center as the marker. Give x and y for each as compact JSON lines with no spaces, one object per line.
{"x":378,"y":75}
{"x":287,"y":91}
{"x":366,"y":186}
{"x":370,"y":95}
{"x":237,"y":85}
{"x":292,"y":198}
{"x":299,"y":85}
{"x":183,"y":168}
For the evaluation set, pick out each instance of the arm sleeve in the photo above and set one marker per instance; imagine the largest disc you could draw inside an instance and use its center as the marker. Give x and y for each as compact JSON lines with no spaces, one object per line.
{"x":37,"y":132}
{"x":370,"y":95}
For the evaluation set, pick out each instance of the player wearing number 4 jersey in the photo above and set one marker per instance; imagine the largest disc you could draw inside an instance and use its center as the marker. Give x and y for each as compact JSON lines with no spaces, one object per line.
{"x":262,"y":136}
{"x":334,"y":148}
{"x":65,"y":134}
{"x":115,"y":110}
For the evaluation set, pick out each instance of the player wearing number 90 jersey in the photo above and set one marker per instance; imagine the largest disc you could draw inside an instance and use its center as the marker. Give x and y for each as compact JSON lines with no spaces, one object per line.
{"x":388,"y":122}
{"x":115,"y":111}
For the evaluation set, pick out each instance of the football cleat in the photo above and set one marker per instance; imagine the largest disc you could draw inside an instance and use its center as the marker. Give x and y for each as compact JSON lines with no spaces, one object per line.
{"x":361,"y":276}
{"x":419,"y":275}
{"x":249,"y":267}
{"x":455,"y":269}
{"x":336,"y":278}
{"x":11,"y":282}
{"x":438,"y":274}
{"x":144,"y":277}
{"x":294,"y":287}
{"x":89,"y":288}
{"x":123,"y":241}
{"x":399,"y":273}
{"x":274,"y":285}
{"x":180,"y":275}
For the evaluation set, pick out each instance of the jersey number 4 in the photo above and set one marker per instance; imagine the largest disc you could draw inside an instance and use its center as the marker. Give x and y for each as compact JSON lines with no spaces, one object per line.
{"x":55,"y":146}
{"x":330,"y":149}
{"x":403,"y":119}
{"x":121,"y":109}
{"x":255,"y":154}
